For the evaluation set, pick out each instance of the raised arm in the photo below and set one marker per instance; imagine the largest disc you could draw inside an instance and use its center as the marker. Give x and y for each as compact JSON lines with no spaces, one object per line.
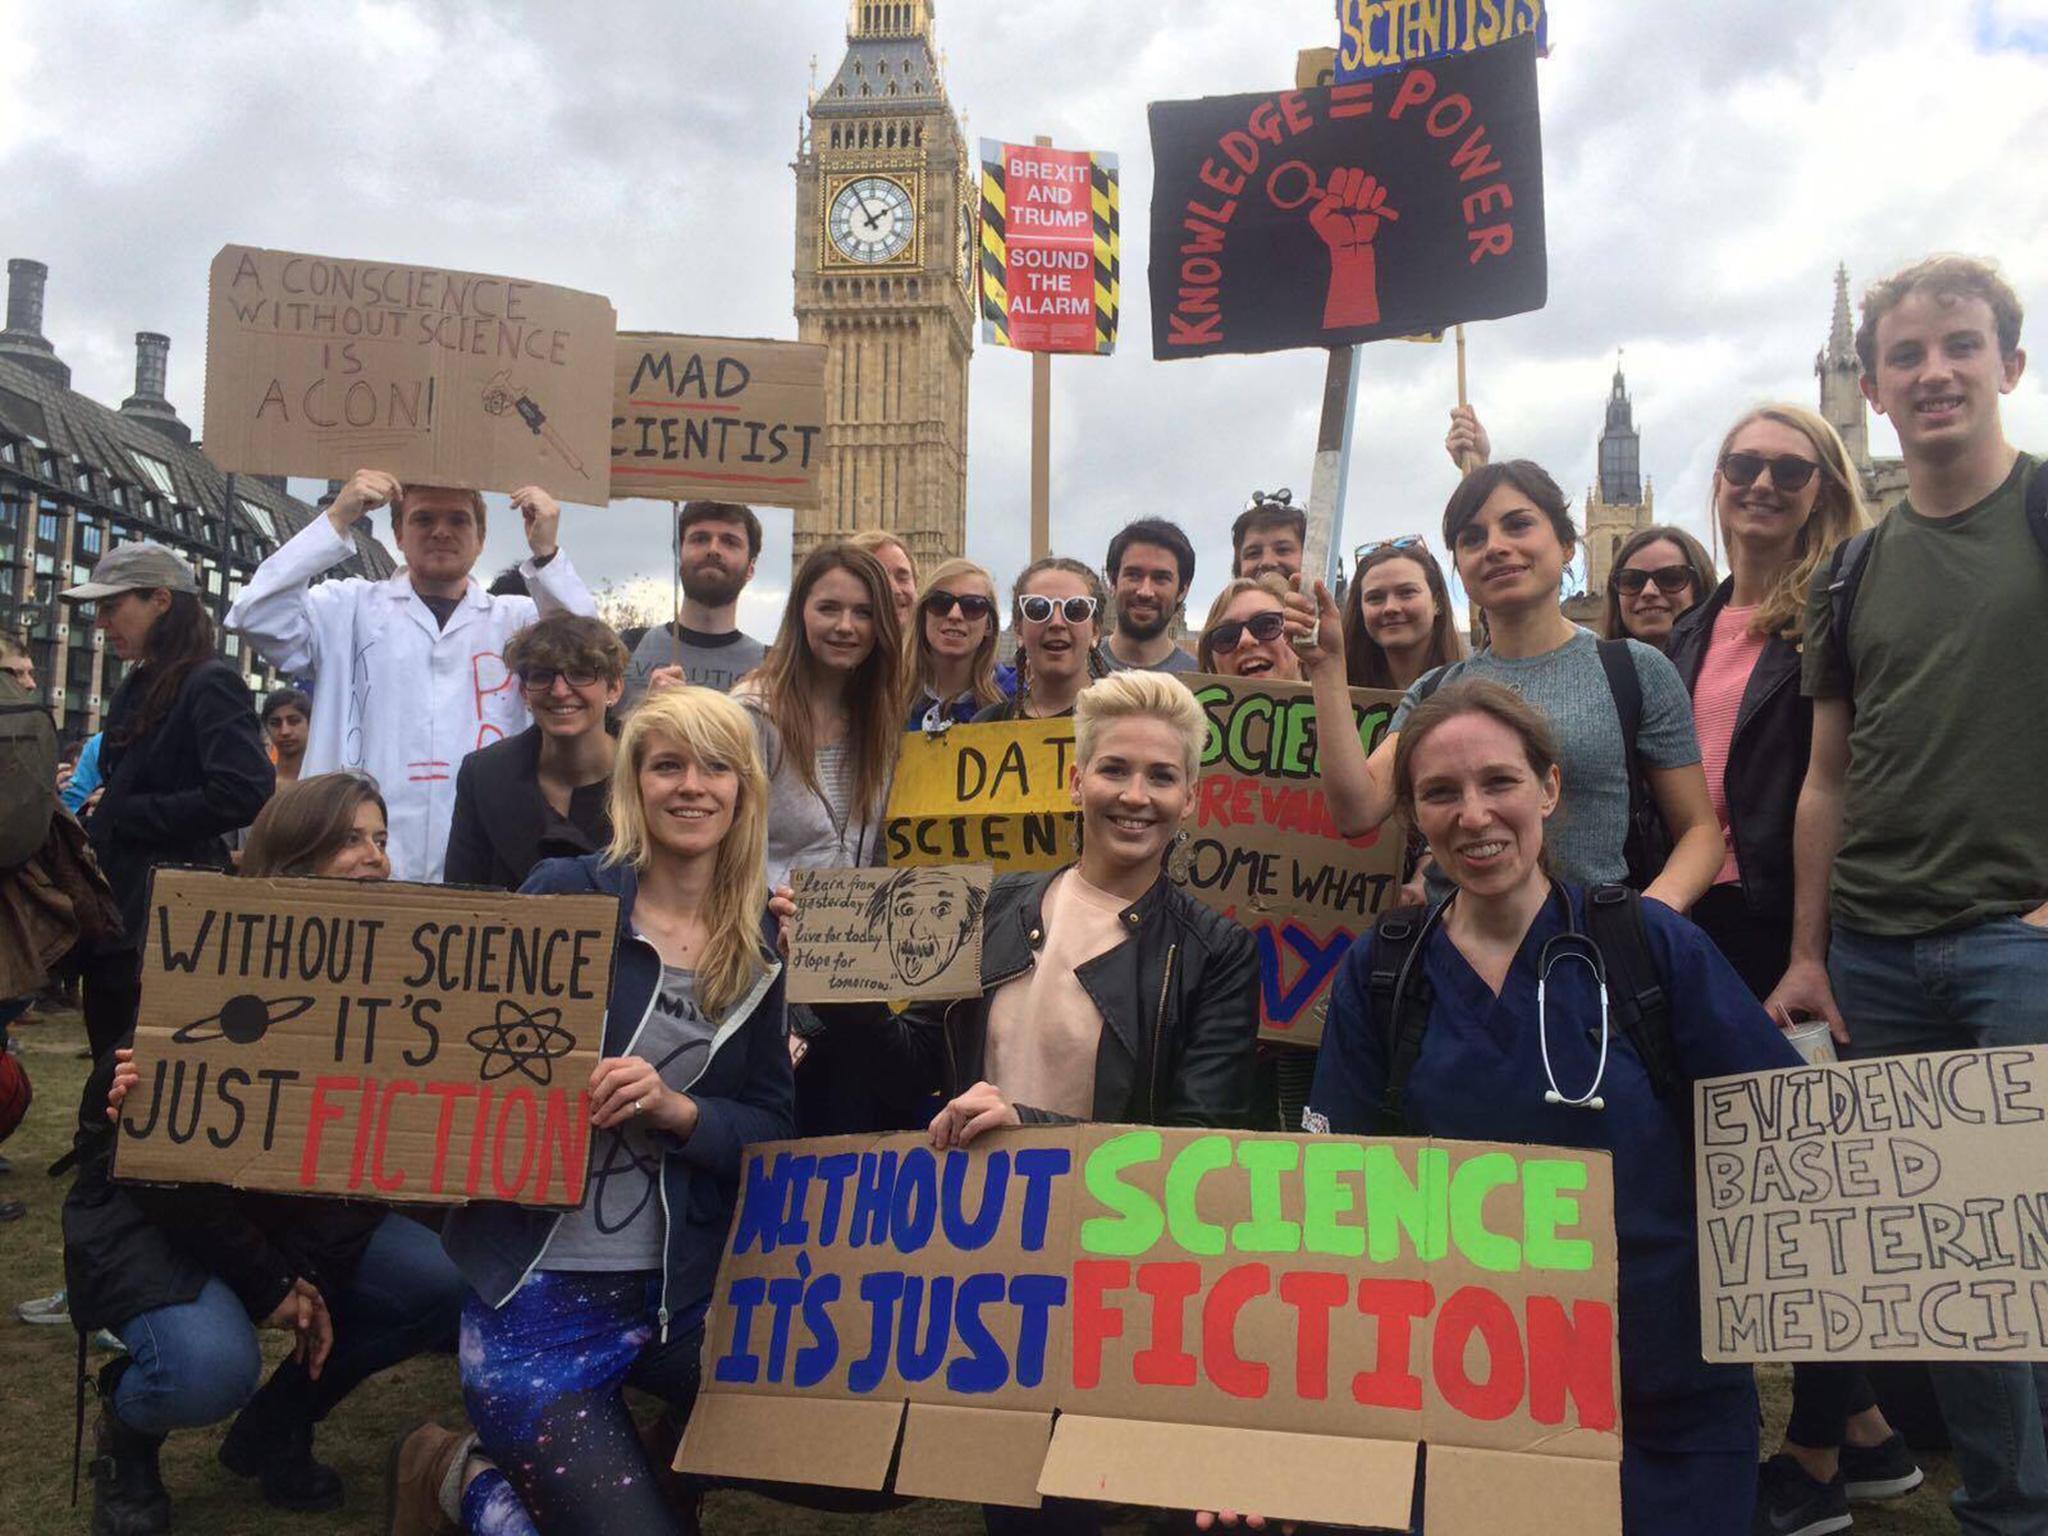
{"x":279,"y":611}
{"x":1359,"y":789}
{"x":552,"y":580}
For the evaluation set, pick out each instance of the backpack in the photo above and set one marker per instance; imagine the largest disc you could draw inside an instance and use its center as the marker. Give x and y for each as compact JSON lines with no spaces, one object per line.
{"x":28,"y":774}
{"x":1647,"y":844}
{"x":1402,"y":997}
{"x":1845,"y":569}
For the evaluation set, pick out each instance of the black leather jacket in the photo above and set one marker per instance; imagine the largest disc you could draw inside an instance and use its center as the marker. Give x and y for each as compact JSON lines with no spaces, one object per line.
{"x":1766,"y":757}
{"x":1179,"y":1005}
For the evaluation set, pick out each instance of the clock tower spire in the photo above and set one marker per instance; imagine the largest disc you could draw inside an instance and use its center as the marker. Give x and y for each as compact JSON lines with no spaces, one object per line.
{"x":884,"y":248}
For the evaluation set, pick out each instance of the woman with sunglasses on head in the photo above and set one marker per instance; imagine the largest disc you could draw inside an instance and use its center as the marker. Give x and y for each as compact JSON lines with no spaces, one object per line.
{"x":1659,"y":575}
{"x":1786,"y":495}
{"x":188,"y":1274}
{"x":541,"y":794}
{"x":1516,"y":1044}
{"x":953,"y":648}
{"x":1056,"y":608}
{"x":1398,"y":621}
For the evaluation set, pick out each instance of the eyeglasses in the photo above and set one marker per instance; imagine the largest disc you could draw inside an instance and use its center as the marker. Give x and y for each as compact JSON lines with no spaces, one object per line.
{"x":542,"y":679}
{"x":1263,"y":626}
{"x":1399,"y":541}
{"x":971,"y":606}
{"x":1671,"y":579}
{"x":1038,"y":610}
{"x":1788,"y":470}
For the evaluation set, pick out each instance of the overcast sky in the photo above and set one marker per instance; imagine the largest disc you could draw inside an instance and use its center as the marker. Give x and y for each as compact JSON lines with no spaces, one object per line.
{"x":1706,"y":167}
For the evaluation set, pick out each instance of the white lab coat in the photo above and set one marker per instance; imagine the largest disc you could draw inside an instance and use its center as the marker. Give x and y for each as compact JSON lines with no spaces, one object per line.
{"x":394,"y":693}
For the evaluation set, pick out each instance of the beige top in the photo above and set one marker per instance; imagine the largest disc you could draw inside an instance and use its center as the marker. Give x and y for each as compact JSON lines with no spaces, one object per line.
{"x":1043,"y":1027}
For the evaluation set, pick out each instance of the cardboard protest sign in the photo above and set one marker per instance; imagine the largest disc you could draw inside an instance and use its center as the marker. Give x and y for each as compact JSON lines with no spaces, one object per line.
{"x":702,"y":416}
{"x":321,"y":366}
{"x":371,"y":1039}
{"x":1331,"y":216}
{"x":1263,"y":849}
{"x":1378,"y":38}
{"x":983,"y":794}
{"x":1218,"y":1320}
{"x":1051,"y":267}
{"x":887,"y":935}
{"x":1885,"y":1209}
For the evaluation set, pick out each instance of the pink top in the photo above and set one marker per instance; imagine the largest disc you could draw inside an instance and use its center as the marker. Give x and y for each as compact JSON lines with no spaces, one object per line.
{"x":1732,"y":653}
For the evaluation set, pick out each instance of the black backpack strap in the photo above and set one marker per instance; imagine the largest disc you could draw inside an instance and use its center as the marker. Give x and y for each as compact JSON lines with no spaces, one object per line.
{"x":1400,"y":1000}
{"x":1845,"y":575}
{"x":1429,"y":682}
{"x":1635,"y":988}
{"x":2037,"y":505}
{"x":1647,"y":844}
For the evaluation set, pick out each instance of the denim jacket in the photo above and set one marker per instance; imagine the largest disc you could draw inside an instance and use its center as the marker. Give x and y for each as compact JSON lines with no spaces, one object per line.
{"x":745,"y":1094}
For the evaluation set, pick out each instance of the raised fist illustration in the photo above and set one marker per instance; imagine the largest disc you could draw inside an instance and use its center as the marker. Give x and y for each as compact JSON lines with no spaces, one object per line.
{"x":1347,"y":214}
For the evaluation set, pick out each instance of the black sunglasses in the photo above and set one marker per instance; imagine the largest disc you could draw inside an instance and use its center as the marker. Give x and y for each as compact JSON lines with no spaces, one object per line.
{"x":942,"y":602}
{"x":1037,"y":609}
{"x":542,"y":679}
{"x":1788,"y":470}
{"x":1671,"y":579}
{"x":1263,"y":626}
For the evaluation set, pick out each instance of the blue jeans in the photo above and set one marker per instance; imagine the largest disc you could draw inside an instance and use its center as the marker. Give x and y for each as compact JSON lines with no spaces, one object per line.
{"x":197,"y":1362}
{"x":1985,"y":985}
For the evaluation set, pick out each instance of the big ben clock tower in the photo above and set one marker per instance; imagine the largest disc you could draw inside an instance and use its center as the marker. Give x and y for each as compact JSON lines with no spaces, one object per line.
{"x":884,"y":256}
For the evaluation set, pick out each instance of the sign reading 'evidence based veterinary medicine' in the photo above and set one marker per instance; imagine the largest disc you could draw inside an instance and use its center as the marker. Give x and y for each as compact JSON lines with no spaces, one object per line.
{"x":725,"y":420}
{"x":319,"y":366}
{"x":1892,"y":1208}
{"x":1262,"y":847}
{"x":1349,"y":213}
{"x":1183,"y":1318}
{"x":367,"y":1038}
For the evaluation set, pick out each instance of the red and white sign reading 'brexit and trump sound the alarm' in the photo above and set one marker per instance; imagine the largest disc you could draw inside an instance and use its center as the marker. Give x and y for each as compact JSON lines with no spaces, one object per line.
{"x":1048,"y":248}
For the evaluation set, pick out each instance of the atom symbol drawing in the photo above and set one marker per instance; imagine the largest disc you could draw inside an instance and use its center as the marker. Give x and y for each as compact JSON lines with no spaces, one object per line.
{"x":518,"y":1041}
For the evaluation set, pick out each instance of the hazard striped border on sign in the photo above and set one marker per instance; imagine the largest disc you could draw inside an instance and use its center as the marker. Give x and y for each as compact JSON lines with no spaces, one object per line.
{"x":1103,"y":181}
{"x":993,"y":253}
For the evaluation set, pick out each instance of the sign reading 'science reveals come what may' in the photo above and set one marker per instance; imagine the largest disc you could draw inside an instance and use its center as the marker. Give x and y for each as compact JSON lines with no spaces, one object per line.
{"x":372,"y":1039}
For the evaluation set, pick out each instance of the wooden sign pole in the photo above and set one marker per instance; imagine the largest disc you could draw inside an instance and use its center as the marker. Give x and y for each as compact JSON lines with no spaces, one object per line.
{"x":1322,"y":548}
{"x":1041,"y":442}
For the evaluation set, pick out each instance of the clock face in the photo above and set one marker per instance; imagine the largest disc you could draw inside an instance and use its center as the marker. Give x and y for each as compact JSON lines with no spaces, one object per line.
{"x":872,"y":219}
{"x":969,"y":231}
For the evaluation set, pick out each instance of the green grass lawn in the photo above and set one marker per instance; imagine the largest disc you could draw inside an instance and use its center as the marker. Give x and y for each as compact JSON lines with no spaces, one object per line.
{"x":36,"y":1392}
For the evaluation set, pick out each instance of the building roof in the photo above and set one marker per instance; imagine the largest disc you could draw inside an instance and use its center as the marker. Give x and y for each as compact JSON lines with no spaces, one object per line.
{"x":42,"y":415}
{"x":882,"y":72}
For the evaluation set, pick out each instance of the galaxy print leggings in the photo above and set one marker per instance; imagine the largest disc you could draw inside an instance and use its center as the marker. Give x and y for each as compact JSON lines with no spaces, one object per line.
{"x":542,"y":1376}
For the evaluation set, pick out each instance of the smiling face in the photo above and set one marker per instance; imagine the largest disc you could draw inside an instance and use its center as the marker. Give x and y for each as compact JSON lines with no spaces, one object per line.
{"x":438,"y":534}
{"x":1056,"y":649}
{"x":839,"y":621}
{"x":1481,"y":805}
{"x":688,"y":802}
{"x":1275,"y":549}
{"x":952,"y":636}
{"x":570,"y":702}
{"x":1759,"y":515}
{"x":1147,"y":590}
{"x":126,"y":619}
{"x":1939,"y":375}
{"x":362,"y":857}
{"x":1133,"y":793}
{"x":714,"y":565}
{"x":1508,"y":553}
{"x":930,"y":916}
{"x":1395,"y":603}
{"x":1253,"y":657}
{"x":1649,"y":614}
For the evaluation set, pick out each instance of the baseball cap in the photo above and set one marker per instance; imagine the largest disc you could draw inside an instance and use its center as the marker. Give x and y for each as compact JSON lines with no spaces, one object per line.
{"x":129,"y":567}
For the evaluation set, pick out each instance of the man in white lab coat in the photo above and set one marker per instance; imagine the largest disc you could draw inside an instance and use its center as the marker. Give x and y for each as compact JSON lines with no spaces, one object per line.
{"x":409,"y":672}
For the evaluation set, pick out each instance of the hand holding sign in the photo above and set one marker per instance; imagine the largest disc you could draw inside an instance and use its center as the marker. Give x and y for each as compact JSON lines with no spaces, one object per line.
{"x":366,"y":491}
{"x":981,"y":1108}
{"x":543,"y":517}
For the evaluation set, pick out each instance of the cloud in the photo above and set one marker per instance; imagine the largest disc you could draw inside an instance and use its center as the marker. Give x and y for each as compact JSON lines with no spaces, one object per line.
{"x":1706,"y":167}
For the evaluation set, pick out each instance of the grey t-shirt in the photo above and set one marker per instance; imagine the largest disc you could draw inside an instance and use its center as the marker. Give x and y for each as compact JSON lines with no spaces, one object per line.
{"x":619,"y":1225}
{"x":1587,"y":835}
{"x":1177,"y":660}
{"x":709,"y":661}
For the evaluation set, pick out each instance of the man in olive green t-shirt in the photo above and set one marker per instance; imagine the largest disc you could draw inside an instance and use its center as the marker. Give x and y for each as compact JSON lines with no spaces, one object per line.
{"x":1921,"y":839}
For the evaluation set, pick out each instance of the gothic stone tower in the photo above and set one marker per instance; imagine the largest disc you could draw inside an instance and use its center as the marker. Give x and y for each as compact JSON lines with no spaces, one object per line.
{"x":884,"y":244}
{"x":1621,"y":502}
{"x":1841,"y":402}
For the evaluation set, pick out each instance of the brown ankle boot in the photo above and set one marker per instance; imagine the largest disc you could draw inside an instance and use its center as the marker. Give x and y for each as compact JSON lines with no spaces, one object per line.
{"x":422,"y":1460}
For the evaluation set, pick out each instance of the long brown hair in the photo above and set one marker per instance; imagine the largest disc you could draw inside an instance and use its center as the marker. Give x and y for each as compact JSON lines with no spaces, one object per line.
{"x":1366,"y":662}
{"x":1838,"y":512}
{"x":305,"y":824}
{"x":180,"y":639}
{"x":790,"y":673}
{"x":1697,"y":560}
{"x":982,"y":665}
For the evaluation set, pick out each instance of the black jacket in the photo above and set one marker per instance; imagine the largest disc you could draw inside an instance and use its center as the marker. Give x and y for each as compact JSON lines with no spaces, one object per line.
{"x":1766,"y":757}
{"x":173,"y":795}
{"x":130,"y":1248}
{"x":503,"y":825}
{"x":1179,"y":1004}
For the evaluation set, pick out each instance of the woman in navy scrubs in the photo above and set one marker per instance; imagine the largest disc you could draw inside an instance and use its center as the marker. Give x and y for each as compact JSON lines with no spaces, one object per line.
{"x":1477,"y":770}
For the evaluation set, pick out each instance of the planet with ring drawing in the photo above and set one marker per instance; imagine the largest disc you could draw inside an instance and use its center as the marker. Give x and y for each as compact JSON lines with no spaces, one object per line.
{"x":243,"y":1020}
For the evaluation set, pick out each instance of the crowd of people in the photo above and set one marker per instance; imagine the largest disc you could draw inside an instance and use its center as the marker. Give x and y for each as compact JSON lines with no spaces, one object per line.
{"x":1764,"y":799}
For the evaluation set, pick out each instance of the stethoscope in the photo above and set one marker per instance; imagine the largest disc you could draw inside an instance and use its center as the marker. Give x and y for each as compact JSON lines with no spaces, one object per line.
{"x":1569,"y":945}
